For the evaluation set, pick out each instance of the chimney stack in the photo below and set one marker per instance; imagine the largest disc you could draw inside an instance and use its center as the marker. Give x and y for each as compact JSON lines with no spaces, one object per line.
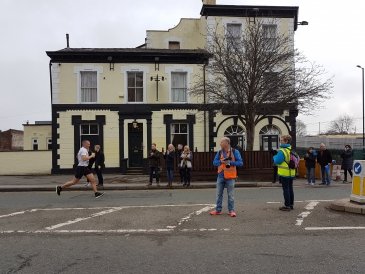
{"x":209,"y":2}
{"x":67,"y":40}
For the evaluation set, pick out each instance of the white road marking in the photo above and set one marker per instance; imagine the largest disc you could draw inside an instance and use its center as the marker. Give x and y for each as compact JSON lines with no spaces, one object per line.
{"x":336,"y":228}
{"x":306,"y":201}
{"x":188,"y":217}
{"x":309,"y":207}
{"x":13,"y":214}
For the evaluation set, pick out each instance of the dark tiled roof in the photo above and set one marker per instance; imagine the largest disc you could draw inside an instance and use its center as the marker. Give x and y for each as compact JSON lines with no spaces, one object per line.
{"x":251,"y":11}
{"x":129,"y":55}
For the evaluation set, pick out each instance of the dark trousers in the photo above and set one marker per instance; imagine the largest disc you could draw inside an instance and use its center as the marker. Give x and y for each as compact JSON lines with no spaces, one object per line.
{"x":154,"y":172}
{"x":181,"y":171}
{"x":288,"y":192}
{"x":99,"y":173}
{"x":275,"y":177}
{"x":186,"y":175}
{"x":345,"y":173}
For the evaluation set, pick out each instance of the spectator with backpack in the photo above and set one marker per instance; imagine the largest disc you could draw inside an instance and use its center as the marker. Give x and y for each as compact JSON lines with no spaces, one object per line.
{"x":324,"y":158}
{"x":287,"y":162}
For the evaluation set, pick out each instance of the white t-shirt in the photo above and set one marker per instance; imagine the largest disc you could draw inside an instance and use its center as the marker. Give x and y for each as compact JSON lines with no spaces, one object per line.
{"x":82,"y":152}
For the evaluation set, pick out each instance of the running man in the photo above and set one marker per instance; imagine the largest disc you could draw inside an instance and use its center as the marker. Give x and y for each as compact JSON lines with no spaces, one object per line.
{"x":82,"y":169}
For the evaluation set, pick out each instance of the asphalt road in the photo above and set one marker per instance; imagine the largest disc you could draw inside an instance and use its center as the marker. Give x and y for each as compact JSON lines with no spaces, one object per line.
{"x":170,"y":231}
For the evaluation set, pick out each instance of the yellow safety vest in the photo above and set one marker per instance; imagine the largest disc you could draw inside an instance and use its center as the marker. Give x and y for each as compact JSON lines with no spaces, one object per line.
{"x":283,"y":168}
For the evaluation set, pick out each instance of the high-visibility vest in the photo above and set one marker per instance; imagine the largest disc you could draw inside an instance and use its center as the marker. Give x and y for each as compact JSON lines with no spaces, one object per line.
{"x":283,"y":168}
{"x":231,"y":172}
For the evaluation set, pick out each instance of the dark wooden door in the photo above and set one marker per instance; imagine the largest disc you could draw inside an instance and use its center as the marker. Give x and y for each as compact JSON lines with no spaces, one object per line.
{"x":135,"y":145}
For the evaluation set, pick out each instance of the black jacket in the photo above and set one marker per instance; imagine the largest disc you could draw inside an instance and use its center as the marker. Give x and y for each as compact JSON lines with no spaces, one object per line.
{"x":170,"y":159}
{"x":324,"y":157}
{"x":154,"y":158}
{"x":99,"y":159}
{"x":310,"y":160}
{"x":347,"y":159}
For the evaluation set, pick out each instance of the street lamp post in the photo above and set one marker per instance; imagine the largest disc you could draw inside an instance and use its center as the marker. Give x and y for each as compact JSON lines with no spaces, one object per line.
{"x":363,"y":110}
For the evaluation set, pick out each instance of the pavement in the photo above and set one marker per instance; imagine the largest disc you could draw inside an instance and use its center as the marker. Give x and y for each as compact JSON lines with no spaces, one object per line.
{"x":169,"y":231}
{"x":119,"y":182}
{"x":345,"y":205}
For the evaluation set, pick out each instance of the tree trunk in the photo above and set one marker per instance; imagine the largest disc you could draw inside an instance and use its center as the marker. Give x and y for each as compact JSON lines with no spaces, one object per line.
{"x":250,"y":132}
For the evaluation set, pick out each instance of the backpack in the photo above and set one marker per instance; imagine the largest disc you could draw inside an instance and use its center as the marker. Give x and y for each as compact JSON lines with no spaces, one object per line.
{"x":293,"y":160}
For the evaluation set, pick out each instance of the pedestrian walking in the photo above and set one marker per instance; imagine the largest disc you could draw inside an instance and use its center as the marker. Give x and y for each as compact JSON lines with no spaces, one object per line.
{"x":180,"y":149}
{"x":154,"y":163}
{"x":99,"y":164}
{"x":82,"y":169}
{"x":170,"y":163}
{"x":310,"y":164}
{"x":324,"y":158}
{"x":227,"y":160}
{"x":186,"y":158}
{"x":347,"y":162}
{"x":275,"y":167}
{"x":286,"y":171}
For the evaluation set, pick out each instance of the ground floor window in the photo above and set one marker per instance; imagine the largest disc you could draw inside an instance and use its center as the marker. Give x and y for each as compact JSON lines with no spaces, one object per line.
{"x":237,"y":135}
{"x":35,"y":144}
{"x":90,"y":132}
{"x":179,"y":134}
{"x":269,"y":137}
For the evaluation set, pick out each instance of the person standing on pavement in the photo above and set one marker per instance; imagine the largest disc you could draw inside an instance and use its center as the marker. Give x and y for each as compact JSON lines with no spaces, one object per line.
{"x":275,"y":167}
{"x":324,"y":158}
{"x":227,"y":160}
{"x":286,"y":174}
{"x":154,"y":163}
{"x":310,"y":164}
{"x":180,"y":149}
{"x":170,"y":163}
{"x":99,"y":164}
{"x":82,"y":169}
{"x":186,"y":158}
{"x":347,"y":161}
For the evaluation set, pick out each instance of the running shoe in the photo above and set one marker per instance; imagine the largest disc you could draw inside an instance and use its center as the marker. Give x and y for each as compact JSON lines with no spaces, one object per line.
{"x":58,"y":190}
{"x":232,"y":214}
{"x":285,"y":208}
{"x":215,"y":212}
{"x":98,"y":194}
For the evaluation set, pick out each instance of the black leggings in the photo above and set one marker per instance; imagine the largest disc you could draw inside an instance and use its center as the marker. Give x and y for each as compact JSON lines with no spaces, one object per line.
{"x":345,"y":172}
{"x":186,"y":175}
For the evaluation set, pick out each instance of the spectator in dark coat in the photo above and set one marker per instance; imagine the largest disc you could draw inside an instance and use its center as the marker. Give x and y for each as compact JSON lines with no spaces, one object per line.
{"x":275,"y":167}
{"x":347,"y":161}
{"x":180,"y":149}
{"x":324,"y":158}
{"x":99,"y":164}
{"x":310,"y":164}
{"x":154,"y":163}
{"x":170,"y":163}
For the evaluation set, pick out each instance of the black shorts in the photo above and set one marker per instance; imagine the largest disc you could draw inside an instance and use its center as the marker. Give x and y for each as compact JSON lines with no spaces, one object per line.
{"x":82,"y":171}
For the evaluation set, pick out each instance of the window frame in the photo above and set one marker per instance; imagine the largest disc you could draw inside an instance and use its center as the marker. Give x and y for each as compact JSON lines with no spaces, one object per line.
{"x":175,"y":68}
{"x":35,"y":142}
{"x":124,"y":71}
{"x":174,"y":88}
{"x":87,"y":67}
{"x":135,"y":86}
{"x":187,"y":134}
{"x":227,"y":34}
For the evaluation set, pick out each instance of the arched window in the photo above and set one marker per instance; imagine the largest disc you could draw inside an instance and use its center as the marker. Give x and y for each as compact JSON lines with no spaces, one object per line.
{"x":237,"y":135}
{"x":269,"y":137}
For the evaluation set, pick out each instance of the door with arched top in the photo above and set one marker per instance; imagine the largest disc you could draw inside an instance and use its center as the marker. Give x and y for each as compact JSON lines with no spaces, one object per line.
{"x":237,"y":135}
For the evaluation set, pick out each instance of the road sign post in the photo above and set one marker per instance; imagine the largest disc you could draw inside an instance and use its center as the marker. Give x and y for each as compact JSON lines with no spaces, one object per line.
{"x":358,"y":183}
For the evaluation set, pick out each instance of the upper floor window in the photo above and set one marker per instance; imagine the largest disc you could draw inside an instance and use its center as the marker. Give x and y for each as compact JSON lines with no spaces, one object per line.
{"x":269,"y":32}
{"x":234,"y":34}
{"x":89,"y":88}
{"x":179,"y":86}
{"x":135,"y":86}
{"x":174,"y":45}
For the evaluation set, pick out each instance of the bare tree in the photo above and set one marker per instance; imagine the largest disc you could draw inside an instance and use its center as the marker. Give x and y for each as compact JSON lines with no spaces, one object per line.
{"x":259,"y":73}
{"x":301,"y":128}
{"x":341,"y":125}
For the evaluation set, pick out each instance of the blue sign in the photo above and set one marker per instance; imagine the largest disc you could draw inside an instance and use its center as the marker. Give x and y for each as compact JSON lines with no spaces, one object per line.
{"x":357,"y":168}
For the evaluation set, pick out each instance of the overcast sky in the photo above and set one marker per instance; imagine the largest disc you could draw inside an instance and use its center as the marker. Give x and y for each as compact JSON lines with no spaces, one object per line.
{"x":334,"y":38}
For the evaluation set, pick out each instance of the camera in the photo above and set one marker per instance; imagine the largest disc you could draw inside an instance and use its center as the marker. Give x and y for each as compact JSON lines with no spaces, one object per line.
{"x":228,"y":162}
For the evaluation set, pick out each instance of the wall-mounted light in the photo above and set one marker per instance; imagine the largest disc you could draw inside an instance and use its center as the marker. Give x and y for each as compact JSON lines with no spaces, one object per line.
{"x":157,"y":63}
{"x":303,"y":23}
{"x":111,"y":63}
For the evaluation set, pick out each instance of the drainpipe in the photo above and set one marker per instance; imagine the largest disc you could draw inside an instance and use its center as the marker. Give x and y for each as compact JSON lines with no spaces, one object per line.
{"x":50,"y":79}
{"x":205,"y":101}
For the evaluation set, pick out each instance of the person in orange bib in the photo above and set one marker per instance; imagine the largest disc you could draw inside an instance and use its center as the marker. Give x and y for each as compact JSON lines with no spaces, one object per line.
{"x":227,"y":160}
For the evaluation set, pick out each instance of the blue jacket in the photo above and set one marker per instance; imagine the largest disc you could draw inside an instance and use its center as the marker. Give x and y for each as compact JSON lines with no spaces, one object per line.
{"x":279,"y":158}
{"x":237,"y":156}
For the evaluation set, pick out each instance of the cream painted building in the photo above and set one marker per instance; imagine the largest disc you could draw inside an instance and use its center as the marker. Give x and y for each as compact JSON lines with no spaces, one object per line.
{"x":38,"y":136}
{"x":127,"y":99}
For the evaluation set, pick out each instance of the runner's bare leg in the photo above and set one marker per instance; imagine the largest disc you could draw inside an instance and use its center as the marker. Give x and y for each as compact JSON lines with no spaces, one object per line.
{"x":92,"y":181}
{"x":70,"y":183}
